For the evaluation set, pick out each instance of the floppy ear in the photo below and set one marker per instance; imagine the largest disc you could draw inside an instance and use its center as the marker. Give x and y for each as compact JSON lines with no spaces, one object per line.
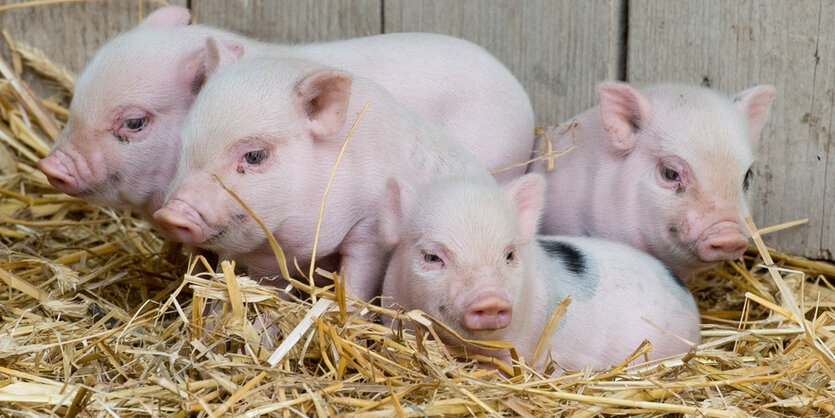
{"x":623,"y":110}
{"x":204,"y":63}
{"x":323,"y":96}
{"x":167,"y":16}
{"x":527,"y":193}
{"x":754,"y":104}
{"x":392,"y":214}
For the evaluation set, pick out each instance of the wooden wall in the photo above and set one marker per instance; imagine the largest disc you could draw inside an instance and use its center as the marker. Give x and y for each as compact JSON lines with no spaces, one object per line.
{"x":733,"y":45}
{"x":560,"y":49}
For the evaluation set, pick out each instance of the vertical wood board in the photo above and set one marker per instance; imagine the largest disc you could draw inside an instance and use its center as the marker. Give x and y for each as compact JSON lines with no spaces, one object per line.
{"x":70,"y":33}
{"x":291,"y":21}
{"x":731,"y":46}
{"x":559,"y":50}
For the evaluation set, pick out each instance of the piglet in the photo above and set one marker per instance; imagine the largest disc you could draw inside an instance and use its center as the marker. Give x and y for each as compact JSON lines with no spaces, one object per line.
{"x":467,"y":254}
{"x":271,"y":130}
{"x":665,"y":169}
{"x":121,"y":143}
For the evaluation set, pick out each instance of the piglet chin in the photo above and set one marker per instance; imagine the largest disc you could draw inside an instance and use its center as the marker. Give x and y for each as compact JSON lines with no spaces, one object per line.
{"x":722,"y":241}
{"x":181,"y":222}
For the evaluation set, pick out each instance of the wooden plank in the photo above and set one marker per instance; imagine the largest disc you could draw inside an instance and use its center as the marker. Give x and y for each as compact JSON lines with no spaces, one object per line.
{"x":293,"y":21}
{"x":558,"y":49}
{"x":70,"y":33}
{"x":820,"y":126}
{"x":732,"y":45}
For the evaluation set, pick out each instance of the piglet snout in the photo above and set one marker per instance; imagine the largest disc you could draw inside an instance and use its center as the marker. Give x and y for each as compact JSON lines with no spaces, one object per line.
{"x":488,"y":311}
{"x":722,"y":241}
{"x":59,"y":175}
{"x":181,"y":222}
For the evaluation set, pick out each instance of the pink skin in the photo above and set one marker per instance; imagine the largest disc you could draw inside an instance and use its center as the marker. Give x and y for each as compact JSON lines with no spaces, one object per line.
{"x":59,"y":175}
{"x":487,"y":308}
{"x":664,"y":169}
{"x":466,"y":247}
{"x":121,"y":145}
{"x":471,"y":283}
{"x":490,"y":310}
{"x":275,"y":148}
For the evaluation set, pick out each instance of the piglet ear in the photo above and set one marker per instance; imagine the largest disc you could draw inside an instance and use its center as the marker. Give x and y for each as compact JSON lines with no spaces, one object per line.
{"x":323,"y":97}
{"x":167,"y":16}
{"x":624,"y":110}
{"x":754,"y":104}
{"x":220,"y":55}
{"x":392,"y":213}
{"x":204,"y":63}
{"x":527,"y":194}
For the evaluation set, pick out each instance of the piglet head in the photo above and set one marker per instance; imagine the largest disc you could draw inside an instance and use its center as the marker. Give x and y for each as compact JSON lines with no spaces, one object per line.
{"x":121,"y":141}
{"x":462,"y":248}
{"x":253,"y":128}
{"x":690,"y":151}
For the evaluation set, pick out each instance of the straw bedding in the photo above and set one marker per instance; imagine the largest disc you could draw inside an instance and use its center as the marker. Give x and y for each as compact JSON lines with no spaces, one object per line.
{"x":102,"y":317}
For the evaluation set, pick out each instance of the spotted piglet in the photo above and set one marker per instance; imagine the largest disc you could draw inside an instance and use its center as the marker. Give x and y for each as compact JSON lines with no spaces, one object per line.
{"x":466,"y":253}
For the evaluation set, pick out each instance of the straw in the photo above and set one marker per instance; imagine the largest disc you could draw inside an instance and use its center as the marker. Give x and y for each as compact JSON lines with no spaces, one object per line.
{"x":101,"y":317}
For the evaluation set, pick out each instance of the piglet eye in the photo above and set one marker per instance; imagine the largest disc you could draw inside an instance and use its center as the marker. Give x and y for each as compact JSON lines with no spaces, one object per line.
{"x":669,"y":174}
{"x":431,"y":258}
{"x":747,"y":181}
{"x":511,"y":255}
{"x":255,"y":157}
{"x":135,"y":124}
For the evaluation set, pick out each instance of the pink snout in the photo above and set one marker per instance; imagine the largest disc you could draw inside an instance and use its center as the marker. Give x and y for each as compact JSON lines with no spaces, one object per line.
{"x":59,"y":175}
{"x":722,"y":241}
{"x":488,"y":311}
{"x":181,"y":222}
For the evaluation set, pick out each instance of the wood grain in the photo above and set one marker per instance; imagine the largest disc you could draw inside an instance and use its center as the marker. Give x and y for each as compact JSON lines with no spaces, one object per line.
{"x":70,"y":33}
{"x":731,"y":46}
{"x":559,"y":50}
{"x":292,"y":21}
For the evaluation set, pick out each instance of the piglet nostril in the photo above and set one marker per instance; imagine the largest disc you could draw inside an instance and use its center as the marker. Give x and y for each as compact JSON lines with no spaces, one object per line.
{"x":58,"y":182}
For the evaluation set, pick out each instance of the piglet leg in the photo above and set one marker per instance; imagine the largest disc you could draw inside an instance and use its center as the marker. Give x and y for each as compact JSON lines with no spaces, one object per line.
{"x":363,"y":260}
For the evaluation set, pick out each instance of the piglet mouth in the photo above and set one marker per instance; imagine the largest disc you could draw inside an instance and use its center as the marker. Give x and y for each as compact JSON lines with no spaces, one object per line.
{"x":215,"y":238}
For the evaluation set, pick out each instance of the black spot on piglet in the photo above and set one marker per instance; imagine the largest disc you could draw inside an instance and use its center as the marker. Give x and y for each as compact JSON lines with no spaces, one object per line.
{"x":573,"y":259}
